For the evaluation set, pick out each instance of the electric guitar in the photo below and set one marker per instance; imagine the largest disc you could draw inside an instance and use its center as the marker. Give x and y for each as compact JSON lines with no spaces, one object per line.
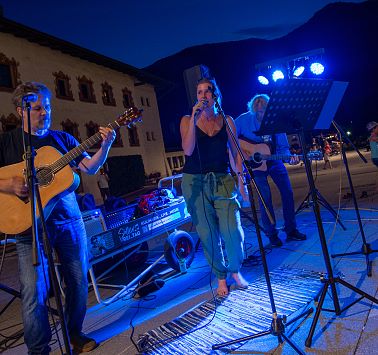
{"x":259,"y":153}
{"x":54,"y":176}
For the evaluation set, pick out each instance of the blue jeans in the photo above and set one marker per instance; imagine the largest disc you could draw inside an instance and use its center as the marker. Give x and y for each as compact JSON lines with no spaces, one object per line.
{"x":69,"y":242}
{"x":279,"y":175}
{"x":211,"y":202}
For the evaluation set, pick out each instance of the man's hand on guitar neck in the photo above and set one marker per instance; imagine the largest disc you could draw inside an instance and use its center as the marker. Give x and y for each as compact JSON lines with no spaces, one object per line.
{"x":15,"y":185}
{"x":108,"y":135}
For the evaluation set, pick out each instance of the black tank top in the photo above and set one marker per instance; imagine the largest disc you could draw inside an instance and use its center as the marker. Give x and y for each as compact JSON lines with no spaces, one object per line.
{"x":213,"y":156}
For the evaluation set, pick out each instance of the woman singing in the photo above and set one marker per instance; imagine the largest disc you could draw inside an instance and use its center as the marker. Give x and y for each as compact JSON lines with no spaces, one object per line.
{"x":208,"y":188}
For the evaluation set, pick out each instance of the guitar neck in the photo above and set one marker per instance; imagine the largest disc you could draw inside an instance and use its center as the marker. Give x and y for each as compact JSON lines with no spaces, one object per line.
{"x":279,"y":156}
{"x":80,"y":149}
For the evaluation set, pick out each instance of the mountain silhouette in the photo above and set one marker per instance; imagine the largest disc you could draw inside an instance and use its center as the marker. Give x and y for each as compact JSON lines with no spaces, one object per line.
{"x":348,"y":33}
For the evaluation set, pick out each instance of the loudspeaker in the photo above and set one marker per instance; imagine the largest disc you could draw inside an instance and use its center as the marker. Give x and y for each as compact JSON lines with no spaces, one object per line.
{"x":94,"y":222}
{"x":191,"y":77}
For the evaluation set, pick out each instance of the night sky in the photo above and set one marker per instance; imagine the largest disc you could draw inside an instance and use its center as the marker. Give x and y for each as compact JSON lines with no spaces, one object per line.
{"x":140,"y":32}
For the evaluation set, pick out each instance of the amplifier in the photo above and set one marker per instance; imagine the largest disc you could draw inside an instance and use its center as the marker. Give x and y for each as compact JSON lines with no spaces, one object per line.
{"x":133,"y":232}
{"x":119,"y":217}
{"x":94,"y":222}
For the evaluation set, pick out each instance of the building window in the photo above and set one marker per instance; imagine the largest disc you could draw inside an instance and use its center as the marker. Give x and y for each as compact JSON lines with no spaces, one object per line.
{"x":9,"y":75}
{"x":92,"y":129}
{"x":11,"y":122}
{"x":107,"y":95}
{"x":133,"y":137}
{"x":181,"y":160}
{"x":72,"y":128}
{"x":86,"y":92}
{"x":153,"y":136}
{"x":169,"y":162}
{"x":175,"y":162}
{"x":63,"y":86}
{"x":147,"y":102}
{"x":148,"y":136}
{"x":142,"y":100}
{"x":127,"y":98}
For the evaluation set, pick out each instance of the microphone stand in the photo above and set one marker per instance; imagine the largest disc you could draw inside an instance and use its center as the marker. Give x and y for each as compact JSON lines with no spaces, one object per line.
{"x":277,"y":327}
{"x":366,"y":248}
{"x":35,"y":201}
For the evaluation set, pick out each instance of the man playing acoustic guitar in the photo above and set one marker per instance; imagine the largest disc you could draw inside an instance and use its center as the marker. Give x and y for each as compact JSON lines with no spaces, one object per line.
{"x":246,"y":124}
{"x":65,"y":225}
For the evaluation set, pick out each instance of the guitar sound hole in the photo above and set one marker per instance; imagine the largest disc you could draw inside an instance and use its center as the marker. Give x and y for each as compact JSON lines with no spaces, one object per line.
{"x":257,"y":158}
{"x":45,"y":176}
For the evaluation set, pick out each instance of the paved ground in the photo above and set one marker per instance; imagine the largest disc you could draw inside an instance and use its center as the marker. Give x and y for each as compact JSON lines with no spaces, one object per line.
{"x":352,"y":332}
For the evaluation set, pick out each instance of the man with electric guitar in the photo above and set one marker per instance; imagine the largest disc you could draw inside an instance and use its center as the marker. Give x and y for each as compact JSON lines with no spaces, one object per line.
{"x":266,"y":155}
{"x":56,"y":181}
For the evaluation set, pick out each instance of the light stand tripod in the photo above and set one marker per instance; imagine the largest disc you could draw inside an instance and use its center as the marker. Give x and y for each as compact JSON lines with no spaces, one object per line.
{"x":319,"y":100}
{"x":308,"y":202}
{"x":35,"y":200}
{"x":277,"y":327}
{"x":366,"y":248}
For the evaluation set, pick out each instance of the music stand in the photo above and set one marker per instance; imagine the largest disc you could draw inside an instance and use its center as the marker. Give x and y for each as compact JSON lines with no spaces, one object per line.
{"x":299,"y":105}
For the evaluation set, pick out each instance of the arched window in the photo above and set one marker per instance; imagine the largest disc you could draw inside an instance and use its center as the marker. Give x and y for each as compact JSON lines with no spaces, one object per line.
{"x":72,"y":128}
{"x":63,"y":86}
{"x":10,"y":122}
{"x":86,"y":92}
{"x":9,"y":75}
{"x":127,"y":98}
{"x":107,"y":95}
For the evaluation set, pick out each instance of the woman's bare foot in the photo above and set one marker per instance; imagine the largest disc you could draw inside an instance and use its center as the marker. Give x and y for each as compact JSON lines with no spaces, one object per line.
{"x":239,"y":279}
{"x":222,"y":288}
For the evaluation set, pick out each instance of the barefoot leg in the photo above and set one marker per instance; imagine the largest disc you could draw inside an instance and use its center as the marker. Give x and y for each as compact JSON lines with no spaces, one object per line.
{"x":239,"y":279}
{"x":222,"y":288}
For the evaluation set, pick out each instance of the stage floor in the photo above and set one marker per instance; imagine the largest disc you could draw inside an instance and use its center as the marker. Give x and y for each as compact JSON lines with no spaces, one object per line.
{"x":353,"y":332}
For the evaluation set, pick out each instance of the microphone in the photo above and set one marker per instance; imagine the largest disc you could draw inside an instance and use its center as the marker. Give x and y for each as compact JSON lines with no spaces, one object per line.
{"x":30,"y":97}
{"x":200,"y":109}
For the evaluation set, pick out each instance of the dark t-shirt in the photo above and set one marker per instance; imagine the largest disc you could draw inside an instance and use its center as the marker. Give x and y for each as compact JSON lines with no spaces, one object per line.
{"x":11,"y":152}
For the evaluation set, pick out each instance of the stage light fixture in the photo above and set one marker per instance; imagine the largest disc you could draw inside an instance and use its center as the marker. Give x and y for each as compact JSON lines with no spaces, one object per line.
{"x":317,"y":68}
{"x":263,"y":80}
{"x":293,"y":66}
{"x":278,"y":74}
{"x":298,"y":71}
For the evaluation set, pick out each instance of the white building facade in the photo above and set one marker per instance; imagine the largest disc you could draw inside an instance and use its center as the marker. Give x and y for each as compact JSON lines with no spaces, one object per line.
{"x":88,"y":90}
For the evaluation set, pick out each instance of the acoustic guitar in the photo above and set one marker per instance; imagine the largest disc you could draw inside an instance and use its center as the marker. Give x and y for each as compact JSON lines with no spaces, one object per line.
{"x":54,"y":176}
{"x":259,"y":153}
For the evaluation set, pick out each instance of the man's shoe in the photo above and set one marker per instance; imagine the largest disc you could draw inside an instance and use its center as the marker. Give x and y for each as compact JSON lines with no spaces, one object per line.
{"x":296,"y":235}
{"x":82,"y":344}
{"x":275,"y":241}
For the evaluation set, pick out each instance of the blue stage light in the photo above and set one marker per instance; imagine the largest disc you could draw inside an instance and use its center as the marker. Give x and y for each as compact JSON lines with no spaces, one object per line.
{"x":278,"y":74}
{"x":298,"y":71}
{"x":317,"y":68}
{"x":263,"y":80}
